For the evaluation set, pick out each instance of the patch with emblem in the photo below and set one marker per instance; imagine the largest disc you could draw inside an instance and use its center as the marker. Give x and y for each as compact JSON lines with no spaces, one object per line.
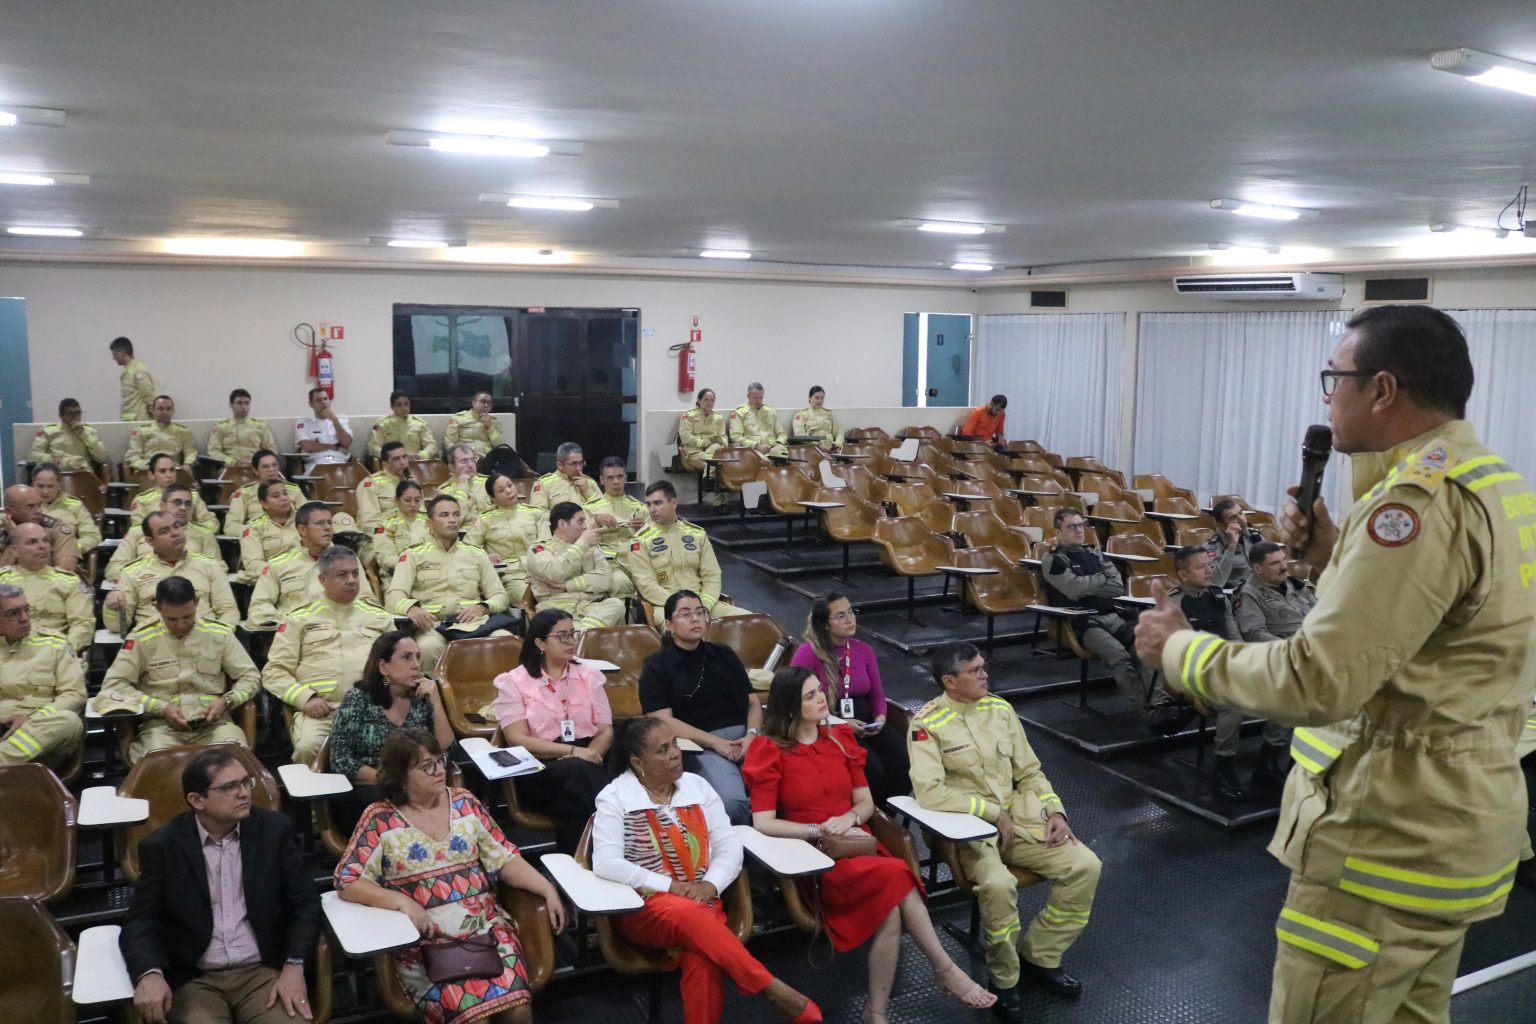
{"x":659,"y":543}
{"x":688,"y":543}
{"x":919,"y":734}
{"x":1393,"y":525}
{"x":537,"y":548}
{"x":635,"y":546}
{"x":128,"y":644}
{"x":283,"y":628}
{"x":402,"y":558}
{"x":1434,"y":458}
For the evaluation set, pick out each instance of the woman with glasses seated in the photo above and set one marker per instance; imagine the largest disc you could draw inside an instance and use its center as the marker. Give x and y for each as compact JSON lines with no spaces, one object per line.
{"x":807,"y":781}
{"x":849,"y":674}
{"x":556,"y":708}
{"x":392,"y":695}
{"x":434,"y":854}
{"x":702,"y":690}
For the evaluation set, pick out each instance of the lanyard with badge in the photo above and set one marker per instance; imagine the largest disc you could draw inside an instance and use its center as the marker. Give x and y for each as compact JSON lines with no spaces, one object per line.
{"x":567,"y":726}
{"x":845,"y":705}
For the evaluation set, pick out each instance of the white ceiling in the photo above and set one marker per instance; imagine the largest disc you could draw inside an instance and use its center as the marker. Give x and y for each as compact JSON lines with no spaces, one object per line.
{"x":800,"y":129}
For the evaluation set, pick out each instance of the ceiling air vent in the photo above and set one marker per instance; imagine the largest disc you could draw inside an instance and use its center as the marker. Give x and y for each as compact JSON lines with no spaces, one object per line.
{"x":1397,"y":289}
{"x":1047,"y":300}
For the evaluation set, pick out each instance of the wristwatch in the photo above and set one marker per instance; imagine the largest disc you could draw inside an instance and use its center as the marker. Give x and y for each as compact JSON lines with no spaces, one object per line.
{"x":752,"y":732}
{"x":296,"y":961}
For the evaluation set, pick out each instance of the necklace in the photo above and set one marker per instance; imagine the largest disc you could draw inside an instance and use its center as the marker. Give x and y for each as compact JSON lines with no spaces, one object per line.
{"x":661,"y":801}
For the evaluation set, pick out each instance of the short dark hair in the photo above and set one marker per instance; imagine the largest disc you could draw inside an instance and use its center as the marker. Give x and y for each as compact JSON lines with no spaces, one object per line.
{"x":390,"y":446}
{"x":815,"y":388}
{"x":47,"y":467}
{"x":700,"y":396}
{"x":121,"y":345}
{"x":307,"y":512}
{"x":1262,"y":550}
{"x":396,"y":757}
{"x":154,"y":460}
{"x":438,"y":499}
{"x":176,"y":488}
{"x":393,"y":395}
{"x":175,"y":590}
{"x":1424,"y":348}
{"x":1062,"y":513}
{"x":407,"y":484}
{"x":68,"y":403}
{"x":383,"y":649}
{"x":490,"y":482}
{"x":540,"y":626}
{"x":946,"y":661}
{"x":198,"y":775}
{"x":238,"y":393}
{"x":268,"y":486}
{"x":148,"y":525}
{"x":313,"y":392}
{"x":662,"y":487}
{"x":261,"y":453}
{"x":612,"y":462}
{"x":1001,"y":401}
{"x":168,"y":398}
{"x":1223,"y":506}
{"x":563,"y":512}
{"x":1186,"y":554}
{"x":482,"y":391}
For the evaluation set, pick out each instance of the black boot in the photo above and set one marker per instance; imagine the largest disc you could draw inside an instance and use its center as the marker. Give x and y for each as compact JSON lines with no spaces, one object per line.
{"x":1167,"y":719}
{"x":1052,"y":979}
{"x":1225,"y":778}
{"x":1274,"y":766}
{"x":1008,"y":1006}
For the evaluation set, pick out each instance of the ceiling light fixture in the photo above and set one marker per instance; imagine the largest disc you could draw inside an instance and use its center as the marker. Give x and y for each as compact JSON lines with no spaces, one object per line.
{"x":725,"y":254}
{"x":979,"y":267}
{"x":268,"y":248}
{"x":1487,"y":69}
{"x":1272,"y":250}
{"x":1469,"y":229}
{"x":13,"y":178}
{"x":416,"y":243}
{"x":506,"y":254}
{"x":481,"y":145}
{"x":37,"y":232}
{"x":573,"y":204}
{"x":1263,"y":210}
{"x":952,"y":227}
{"x":40,"y":117}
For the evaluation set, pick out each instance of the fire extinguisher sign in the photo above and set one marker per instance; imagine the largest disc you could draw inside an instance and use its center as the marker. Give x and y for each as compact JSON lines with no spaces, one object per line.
{"x":695,"y":332}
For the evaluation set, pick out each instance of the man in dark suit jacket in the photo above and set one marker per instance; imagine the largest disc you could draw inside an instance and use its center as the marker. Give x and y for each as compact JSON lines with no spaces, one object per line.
{"x":223,"y":914}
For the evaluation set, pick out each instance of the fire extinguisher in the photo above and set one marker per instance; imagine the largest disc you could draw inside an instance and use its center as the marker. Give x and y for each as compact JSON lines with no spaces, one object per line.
{"x":321,"y":370}
{"x":687,"y":368}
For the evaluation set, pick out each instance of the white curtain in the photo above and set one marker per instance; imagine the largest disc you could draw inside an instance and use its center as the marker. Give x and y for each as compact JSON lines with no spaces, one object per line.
{"x":1224,"y":399}
{"x":1062,"y":375}
{"x":1502,"y":343}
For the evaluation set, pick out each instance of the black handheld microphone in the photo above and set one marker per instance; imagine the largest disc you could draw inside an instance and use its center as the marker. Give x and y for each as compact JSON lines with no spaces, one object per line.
{"x":1315,"y":449}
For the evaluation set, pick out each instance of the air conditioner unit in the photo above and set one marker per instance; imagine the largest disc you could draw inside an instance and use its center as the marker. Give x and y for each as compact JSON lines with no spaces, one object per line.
{"x":1303,"y":287}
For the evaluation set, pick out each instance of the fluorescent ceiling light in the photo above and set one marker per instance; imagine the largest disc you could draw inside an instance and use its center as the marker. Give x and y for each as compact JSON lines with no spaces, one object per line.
{"x":7,"y":119}
{"x":34,"y":116}
{"x":1487,"y":69}
{"x":952,"y":227}
{"x":12,"y":178}
{"x":1229,"y":247}
{"x":506,"y":254}
{"x":726,"y":254}
{"x":270,"y":248}
{"x":1468,"y":229}
{"x":550,"y":203}
{"x":1263,"y":210}
{"x":416,"y":243}
{"x":970,"y":266}
{"x":484,"y":145}
{"x":45,"y":232}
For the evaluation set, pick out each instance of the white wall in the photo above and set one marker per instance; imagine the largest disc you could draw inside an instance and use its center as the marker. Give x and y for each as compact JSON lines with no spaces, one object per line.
{"x":206,"y":330}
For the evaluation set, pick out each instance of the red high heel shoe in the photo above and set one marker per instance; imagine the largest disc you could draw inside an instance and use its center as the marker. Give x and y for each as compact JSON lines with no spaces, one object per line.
{"x":810,"y":1015}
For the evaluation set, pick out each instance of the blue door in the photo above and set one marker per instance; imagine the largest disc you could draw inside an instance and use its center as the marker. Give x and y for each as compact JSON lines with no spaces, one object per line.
{"x":949,"y":360}
{"x":15,"y":382}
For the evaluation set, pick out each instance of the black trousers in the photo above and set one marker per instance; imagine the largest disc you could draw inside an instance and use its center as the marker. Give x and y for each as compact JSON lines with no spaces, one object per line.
{"x":566,"y":790}
{"x":887,"y":767}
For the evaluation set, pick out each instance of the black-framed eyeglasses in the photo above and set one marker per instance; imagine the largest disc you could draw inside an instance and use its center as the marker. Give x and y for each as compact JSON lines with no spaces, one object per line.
{"x":567,"y":636}
{"x":231,"y":788}
{"x":432,"y":765}
{"x":1330,"y":378}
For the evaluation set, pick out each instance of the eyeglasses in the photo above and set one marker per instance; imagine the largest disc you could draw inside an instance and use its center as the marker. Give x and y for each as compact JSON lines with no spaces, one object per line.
{"x":847,"y":616}
{"x":231,"y":788}
{"x":691,"y":614}
{"x":567,"y":636}
{"x":1330,"y":378}
{"x":433,"y":765}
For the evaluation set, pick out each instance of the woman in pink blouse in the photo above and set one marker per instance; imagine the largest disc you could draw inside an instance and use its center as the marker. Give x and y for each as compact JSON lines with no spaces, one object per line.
{"x":849,"y":674}
{"x":557,"y":709}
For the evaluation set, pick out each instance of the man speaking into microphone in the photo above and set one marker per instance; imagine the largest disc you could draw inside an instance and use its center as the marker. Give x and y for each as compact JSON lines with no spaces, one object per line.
{"x":1404,"y":816}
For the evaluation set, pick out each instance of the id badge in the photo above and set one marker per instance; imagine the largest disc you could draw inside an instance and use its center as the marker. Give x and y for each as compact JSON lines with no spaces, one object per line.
{"x":567,"y":731}
{"x":845,"y":708}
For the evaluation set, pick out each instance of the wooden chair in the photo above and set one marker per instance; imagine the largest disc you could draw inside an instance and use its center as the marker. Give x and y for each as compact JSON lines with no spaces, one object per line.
{"x":912,"y":550}
{"x":752,"y":637}
{"x":627,"y":647}
{"x":39,"y":965}
{"x":1141,"y":586}
{"x":1145,"y":547}
{"x":466,"y":677}
{"x":984,"y":529}
{"x":126,"y":730}
{"x":1013,"y":589}
{"x":787,"y":487}
{"x":87,"y":487}
{"x":947,"y":851}
{"x":875,"y":457}
{"x":521,"y":816}
{"x":865,"y":482}
{"x":854,"y":523}
{"x":430,"y":472}
{"x":37,"y":835}
{"x":1089,"y":464}
{"x":930,"y":434}
{"x":334,"y":834}
{"x":1025,"y":447}
{"x":157,"y":778}
{"x":745,"y":468}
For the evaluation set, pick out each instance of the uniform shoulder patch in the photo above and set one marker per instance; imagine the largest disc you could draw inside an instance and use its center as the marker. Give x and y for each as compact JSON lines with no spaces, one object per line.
{"x":538,"y":548}
{"x":245,"y":532}
{"x":128,"y":644}
{"x":368,"y":482}
{"x":1393,"y":525}
{"x":919,"y":734}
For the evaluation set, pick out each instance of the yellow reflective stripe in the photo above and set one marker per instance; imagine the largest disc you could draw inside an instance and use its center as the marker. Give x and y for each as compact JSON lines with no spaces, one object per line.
{"x":1004,"y":933}
{"x":1196,"y":656}
{"x":26,"y":743}
{"x":1341,"y":945}
{"x":939,"y":718}
{"x":1463,"y":468}
{"x":1530,"y":723}
{"x":1311,"y":752}
{"x":1489,"y":481}
{"x":322,"y":685}
{"x":1423,"y":891}
{"x":1059,"y":915}
{"x":1050,"y":798}
{"x":45,"y":710}
{"x":291,"y":695}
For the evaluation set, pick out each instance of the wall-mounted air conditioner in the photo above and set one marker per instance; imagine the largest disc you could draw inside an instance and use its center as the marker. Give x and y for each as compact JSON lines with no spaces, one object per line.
{"x":1304,"y":287}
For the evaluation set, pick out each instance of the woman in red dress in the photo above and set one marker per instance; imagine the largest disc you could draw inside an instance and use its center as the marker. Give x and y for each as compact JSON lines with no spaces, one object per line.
{"x":806,"y":780}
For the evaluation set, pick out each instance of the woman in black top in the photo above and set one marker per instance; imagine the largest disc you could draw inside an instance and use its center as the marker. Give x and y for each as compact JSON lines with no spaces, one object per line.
{"x":703,"y":691}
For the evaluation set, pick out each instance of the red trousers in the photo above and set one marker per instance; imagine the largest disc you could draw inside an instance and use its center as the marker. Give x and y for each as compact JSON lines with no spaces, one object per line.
{"x":710,"y":951}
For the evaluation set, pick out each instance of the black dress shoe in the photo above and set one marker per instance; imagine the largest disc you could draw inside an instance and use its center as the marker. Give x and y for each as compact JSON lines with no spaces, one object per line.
{"x":1008,"y":1006}
{"x":1052,"y":979}
{"x":1167,"y":719}
{"x":1224,"y":779}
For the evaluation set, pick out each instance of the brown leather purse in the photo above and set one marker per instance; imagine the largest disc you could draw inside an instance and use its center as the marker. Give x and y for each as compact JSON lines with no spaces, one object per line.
{"x":853,"y":843}
{"x":450,"y":960}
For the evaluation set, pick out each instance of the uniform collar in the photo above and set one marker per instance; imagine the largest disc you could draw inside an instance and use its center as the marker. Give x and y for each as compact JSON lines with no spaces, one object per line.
{"x":1368,"y":468}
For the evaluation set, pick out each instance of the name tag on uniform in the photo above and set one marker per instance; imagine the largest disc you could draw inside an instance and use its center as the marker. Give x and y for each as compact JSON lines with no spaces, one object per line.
{"x":567,"y":731}
{"x":845,"y":708}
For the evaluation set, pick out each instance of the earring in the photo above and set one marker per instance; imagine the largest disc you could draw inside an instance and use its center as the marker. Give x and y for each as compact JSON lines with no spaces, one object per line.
{"x":642,"y":773}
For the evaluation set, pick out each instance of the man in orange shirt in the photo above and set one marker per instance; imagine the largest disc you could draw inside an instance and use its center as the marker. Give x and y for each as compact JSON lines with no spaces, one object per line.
{"x":986,"y":421}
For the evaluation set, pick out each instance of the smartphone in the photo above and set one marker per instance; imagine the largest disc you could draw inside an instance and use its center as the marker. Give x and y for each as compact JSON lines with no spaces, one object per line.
{"x":505,"y":758}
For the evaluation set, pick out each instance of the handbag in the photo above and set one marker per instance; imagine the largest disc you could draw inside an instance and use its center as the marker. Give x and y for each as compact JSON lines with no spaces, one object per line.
{"x":853,"y":843}
{"x":460,"y":959}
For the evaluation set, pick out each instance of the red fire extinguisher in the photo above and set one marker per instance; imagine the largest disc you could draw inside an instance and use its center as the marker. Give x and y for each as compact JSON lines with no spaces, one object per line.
{"x":320,"y":369}
{"x":687,"y":368}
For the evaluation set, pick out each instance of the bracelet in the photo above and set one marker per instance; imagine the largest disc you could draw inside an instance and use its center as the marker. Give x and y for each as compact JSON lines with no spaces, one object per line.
{"x":814,"y":833}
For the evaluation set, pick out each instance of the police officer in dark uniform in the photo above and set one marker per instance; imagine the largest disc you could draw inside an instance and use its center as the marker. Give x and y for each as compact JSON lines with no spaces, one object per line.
{"x":1232,"y":544}
{"x":1208,"y":609}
